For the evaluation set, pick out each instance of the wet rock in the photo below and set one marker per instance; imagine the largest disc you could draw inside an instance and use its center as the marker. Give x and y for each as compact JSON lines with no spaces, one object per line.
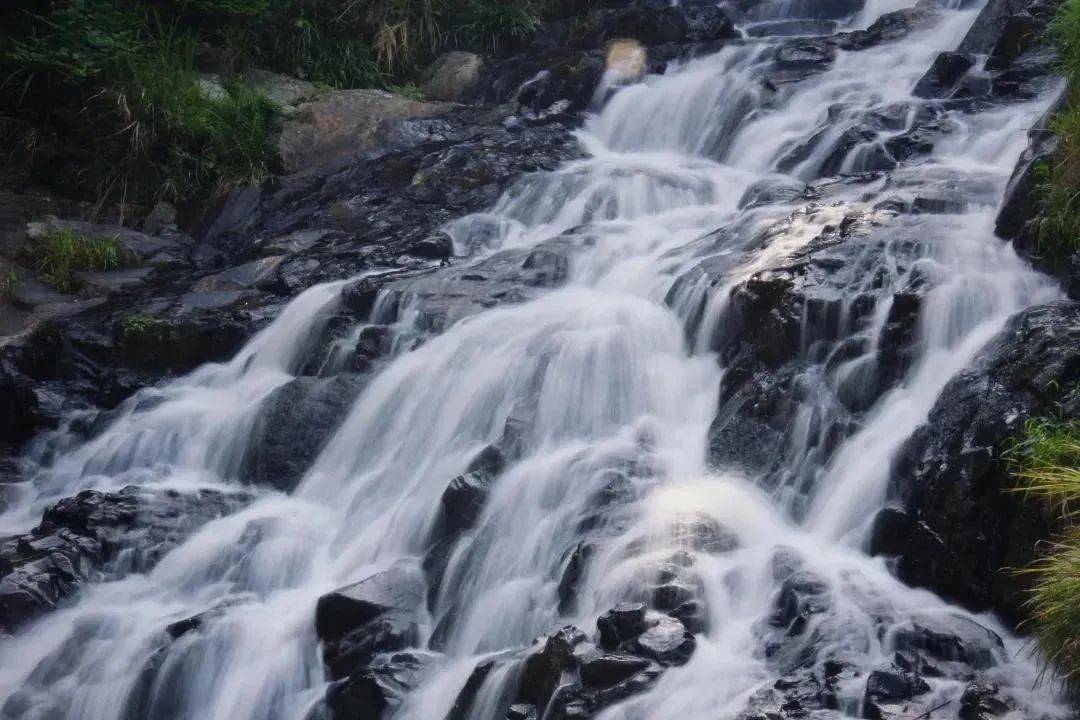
{"x":991,"y":25}
{"x":453,"y":77}
{"x":542,"y":671}
{"x":626,"y":621}
{"x":433,"y":247}
{"x":80,"y":539}
{"x":371,"y":693}
{"x":463,"y":704}
{"x":376,"y":615}
{"x":891,"y":528}
{"x":801,"y":595}
{"x":981,"y":701}
{"x":294,"y":424}
{"x":607,"y":669}
{"x":949,"y":638}
{"x":572,"y":574}
{"x":893,"y":685}
{"x":948,"y":477}
{"x":666,"y":641}
{"x":521,"y":712}
{"x":943,"y":75}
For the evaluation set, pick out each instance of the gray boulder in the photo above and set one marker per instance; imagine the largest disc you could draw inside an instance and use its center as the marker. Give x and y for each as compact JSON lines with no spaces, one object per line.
{"x":453,"y":77}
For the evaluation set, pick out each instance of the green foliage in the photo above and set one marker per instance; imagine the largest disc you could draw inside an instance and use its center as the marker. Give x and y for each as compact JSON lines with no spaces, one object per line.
{"x":62,"y":252}
{"x":1047,"y":462}
{"x":1059,"y":178}
{"x":100,"y":98}
{"x":141,"y":328}
{"x":79,"y":41}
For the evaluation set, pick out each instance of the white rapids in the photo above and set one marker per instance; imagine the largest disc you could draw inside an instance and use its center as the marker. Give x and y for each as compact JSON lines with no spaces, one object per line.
{"x":615,"y":374}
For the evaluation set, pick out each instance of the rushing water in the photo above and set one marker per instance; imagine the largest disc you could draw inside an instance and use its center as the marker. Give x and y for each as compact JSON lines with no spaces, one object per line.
{"x":613,"y":374}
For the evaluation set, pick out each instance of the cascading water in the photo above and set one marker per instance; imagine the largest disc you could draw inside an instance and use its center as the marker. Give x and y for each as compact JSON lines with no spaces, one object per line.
{"x":609,"y":382}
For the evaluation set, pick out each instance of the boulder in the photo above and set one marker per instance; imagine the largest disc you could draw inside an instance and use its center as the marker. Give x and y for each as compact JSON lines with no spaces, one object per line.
{"x":666,"y":641}
{"x":626,"y":621}
{"x":951,"y":481}
{"x":377,"y":615}
{"x":295,"y":422}
{"x":600,"y":669}
{"x":453,"y":77}
{"x":944,"y":75}
{"x":953,"y":638}
{"x":541,"y":672}
{"x":344,"y":122}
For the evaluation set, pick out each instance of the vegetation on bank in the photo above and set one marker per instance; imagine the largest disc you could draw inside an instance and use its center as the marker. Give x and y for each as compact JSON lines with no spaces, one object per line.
{"x":1059,"y":178}
{"x":102,"y":100}
{"x":62,"y":252}
{"x":1047,"y":462}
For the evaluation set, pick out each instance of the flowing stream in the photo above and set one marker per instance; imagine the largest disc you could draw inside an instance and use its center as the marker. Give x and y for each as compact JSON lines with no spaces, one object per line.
{"x":613,"y":375}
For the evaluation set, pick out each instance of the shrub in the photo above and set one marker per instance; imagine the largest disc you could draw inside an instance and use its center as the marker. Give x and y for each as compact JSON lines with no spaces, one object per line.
{"x":61,"y":252}
{"x":1047,"y":461}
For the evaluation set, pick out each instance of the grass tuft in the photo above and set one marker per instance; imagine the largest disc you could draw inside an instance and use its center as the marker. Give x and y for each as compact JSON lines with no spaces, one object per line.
{"x":1058,"y":230}
{"x":1047,"y":463}
{"x":62,"y":252}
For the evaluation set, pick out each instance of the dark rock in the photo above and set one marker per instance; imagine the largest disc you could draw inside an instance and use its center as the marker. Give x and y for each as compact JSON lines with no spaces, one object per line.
{"x":894,"y":685}
{"x":541,"y":671}
{"x":371,"y":693}
{"x":981,"y":701}
{"x":801,"y":595}
{"x":948,"y":477}
{"x":464,"y":702}
{"x":949,"y":638}
{"x":359,"y":297}
{"x":605,"y":670}
{"x":943,"y":75}
{"x":81,"y":539}
{"x":625,"y":621}
{"x":666,"y":641}
{"x":376,"y":615}
{"x":891,"y":528}
{"x":433,"y":247}
{"x":295,"y":422}
{"x":521,"y":712}
{"x":571,"y":576}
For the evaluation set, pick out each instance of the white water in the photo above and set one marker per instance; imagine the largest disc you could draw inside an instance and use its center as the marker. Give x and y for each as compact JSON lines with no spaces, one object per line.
{"x":608,"y":384}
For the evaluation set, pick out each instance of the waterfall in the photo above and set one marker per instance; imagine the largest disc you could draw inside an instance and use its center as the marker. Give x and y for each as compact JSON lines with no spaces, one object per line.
{"x":610,"y":381}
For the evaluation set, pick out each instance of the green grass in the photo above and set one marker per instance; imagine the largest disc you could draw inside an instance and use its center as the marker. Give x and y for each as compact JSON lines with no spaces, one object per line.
{"x":1047,"y":463}
{"x":62,"y":252}
{"x":1058,"y":231}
